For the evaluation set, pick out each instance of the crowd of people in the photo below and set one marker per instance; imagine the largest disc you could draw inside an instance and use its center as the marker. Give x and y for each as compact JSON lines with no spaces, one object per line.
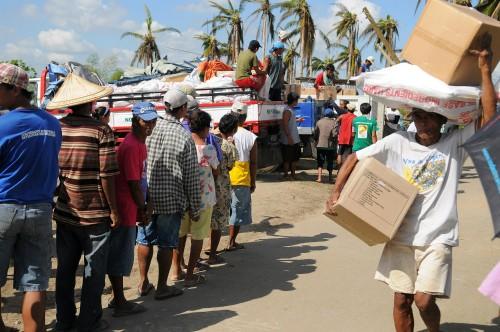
{"x":171,"y":177}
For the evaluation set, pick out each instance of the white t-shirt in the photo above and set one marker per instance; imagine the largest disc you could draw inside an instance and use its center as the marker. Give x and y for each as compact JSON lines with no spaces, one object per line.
{"x":244,"y":141}
{"x":435,"y":170}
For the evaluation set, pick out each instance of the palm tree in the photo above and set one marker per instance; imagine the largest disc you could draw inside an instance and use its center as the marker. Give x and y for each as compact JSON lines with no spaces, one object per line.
{"x":349,"y":59}
{"x":266,"y":24}
{"x":487,"y":7}
{"x":389,"y":28}
{"x":348,"y":28}
{"x":302,"y":25}
{"x":211,"y":46}
{"x":229,"y":17}
{"x":320,"y":64}
{"x":148,"y":51}
{"x":289,"y":61}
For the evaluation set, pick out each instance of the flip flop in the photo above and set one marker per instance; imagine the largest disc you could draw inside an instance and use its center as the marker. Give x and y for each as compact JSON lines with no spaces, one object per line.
{"x":145,"y":292}
{"x":169,"y":292}
{"x":217,"y":260}
{"x":236,"y":246}
{"x":129,"y":309}
{"x":198,"y":280}
{"x":180,"y":278}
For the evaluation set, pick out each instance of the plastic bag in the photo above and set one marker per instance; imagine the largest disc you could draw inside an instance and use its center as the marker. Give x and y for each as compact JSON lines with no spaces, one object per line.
{"x":407,"y":86}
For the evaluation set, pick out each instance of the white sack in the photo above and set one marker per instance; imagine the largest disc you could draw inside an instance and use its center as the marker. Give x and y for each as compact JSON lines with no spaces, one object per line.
{"x":406,"y":86}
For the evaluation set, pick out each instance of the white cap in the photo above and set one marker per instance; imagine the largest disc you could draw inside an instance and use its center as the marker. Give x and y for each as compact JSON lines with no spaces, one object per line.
{"x":239,"y":107}
{"x":192,"y":103}
{"x":282,"y":34}
{"x":371,"y":59}
{"x":175,"y":98}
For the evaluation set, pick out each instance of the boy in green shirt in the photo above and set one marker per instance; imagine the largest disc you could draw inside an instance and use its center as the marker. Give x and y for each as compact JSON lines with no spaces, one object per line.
{"x":364,"y":129}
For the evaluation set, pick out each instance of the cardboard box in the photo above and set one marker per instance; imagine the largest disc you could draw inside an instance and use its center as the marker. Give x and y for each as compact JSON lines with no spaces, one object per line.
{"x":325,"y":92}
{"x":348,"y":92}
{"x":295,"y":87}
{"x":441,"y":40}
{"x":374,"y":202}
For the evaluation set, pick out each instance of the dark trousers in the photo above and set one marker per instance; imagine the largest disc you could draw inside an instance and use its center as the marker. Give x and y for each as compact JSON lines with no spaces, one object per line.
{"x":275,"y":94}
{"x":325,"y":154}
{"x":72,"y":241}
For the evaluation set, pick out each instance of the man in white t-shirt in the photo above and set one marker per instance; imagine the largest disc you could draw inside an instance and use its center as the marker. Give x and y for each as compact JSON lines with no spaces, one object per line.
{"x":416,"y":264}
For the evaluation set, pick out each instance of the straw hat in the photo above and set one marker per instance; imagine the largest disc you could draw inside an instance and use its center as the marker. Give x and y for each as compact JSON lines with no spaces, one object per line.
{"x":76,"y":91}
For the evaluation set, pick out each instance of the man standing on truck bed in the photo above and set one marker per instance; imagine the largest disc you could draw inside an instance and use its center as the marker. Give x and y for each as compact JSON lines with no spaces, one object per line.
{"x":248,"y":73}
{"x":275,"y":68}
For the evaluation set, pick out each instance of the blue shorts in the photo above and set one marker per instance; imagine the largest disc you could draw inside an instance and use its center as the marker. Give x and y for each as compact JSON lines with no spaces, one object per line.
{"x":241,"y":206}
{"x":25,"y":236}
{"x":162,"y":231}
{"x":121,"y":251}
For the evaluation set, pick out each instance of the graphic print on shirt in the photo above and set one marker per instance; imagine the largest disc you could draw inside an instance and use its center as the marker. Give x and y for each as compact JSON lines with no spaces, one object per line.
{"x":362,"y":131}
{"x":426,"y":173}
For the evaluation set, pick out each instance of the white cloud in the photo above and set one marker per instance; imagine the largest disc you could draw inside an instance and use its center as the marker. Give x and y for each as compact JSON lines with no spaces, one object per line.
{"x":60,"y":57}
{"x":202,"y":6}
{"x":63,"y":41}
{"x":22,"y":48}
{"x":30,"y":10}
{"x":85,"y":15}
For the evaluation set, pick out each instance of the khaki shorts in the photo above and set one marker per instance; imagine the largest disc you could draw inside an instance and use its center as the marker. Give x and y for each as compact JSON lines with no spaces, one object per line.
{"x":200,"y":229}
{"x":409,"y":270}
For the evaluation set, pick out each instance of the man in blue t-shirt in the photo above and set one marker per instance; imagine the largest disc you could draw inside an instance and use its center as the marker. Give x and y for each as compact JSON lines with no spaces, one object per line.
{"x":366,"y":66}
{"x":30,"y":140}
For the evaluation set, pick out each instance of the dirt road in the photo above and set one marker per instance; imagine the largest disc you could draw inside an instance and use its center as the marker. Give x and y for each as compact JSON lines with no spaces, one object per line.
{"x":302,"y":272}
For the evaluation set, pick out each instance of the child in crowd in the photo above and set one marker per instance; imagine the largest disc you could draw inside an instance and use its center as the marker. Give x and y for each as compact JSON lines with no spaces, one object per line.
{"x":199,"y":230}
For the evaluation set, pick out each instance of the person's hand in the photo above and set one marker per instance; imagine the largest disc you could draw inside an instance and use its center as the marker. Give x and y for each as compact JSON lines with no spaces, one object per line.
{"x":254,"y":72}
{"x":141,"y":219}
{"x":290,"y":140}
{"x":330,"y":203}
{"x":252,"y":188}
{"x":484,"y":54}
{"x":194,"y":216}
{"x":115,"y":219}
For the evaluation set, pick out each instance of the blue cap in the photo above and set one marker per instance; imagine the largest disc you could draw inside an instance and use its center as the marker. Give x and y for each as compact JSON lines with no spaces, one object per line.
{"x":145,"y":110}
{"x":328,"y":112}
{"x":278,"y":45}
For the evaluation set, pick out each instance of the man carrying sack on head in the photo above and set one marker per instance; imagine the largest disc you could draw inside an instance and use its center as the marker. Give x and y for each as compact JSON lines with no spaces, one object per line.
{"x":86,"y":208}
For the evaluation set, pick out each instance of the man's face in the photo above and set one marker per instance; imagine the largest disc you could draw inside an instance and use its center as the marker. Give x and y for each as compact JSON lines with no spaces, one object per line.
{"x":8,"y":96}
{"x":343,"y":104}
{"x":146,"y":127}
{"x":279,"y":51}
{"x":330,"y":72}
{"x":428,"y":124}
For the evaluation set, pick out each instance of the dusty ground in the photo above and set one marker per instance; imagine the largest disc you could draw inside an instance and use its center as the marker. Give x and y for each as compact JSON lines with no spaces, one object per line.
{"x":301,"y":272}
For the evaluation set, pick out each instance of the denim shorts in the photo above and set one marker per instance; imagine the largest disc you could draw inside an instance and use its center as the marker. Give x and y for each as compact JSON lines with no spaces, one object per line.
{"x":25,"y":236}
{"x":241,"y":206}
{"x":121,"y":251}
{"x":162,"y":231}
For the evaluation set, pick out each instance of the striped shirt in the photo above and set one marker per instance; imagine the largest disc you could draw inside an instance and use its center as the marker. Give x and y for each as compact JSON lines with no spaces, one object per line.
{"x":87,"y":155}
{"x":172,"y":167}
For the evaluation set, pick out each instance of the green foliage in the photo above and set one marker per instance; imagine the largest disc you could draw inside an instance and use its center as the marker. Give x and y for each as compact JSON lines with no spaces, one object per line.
{"x":20,"y":63}
{"x":104,"y":68}
{"x":117,"y":74}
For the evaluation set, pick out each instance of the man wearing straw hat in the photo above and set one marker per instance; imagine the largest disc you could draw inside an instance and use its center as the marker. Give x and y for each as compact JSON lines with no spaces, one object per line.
{"x":30,"y":139}
{"x":86,"y":208}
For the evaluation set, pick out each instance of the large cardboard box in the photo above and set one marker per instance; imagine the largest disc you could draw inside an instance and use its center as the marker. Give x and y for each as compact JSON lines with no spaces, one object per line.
{"x":441,"y":40}
{"x":294,"y":87}
{"x":325,"y":92}
{"x":374,"y":202}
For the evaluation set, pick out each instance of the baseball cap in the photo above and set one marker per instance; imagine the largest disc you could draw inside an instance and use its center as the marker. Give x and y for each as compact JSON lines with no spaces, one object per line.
{"x":192,"y":103}
{"x":371,"y":59}
{"x":328,"y":112}
{"x":145,"y":110}
{"x":175,"y":98}
{"x":13,"y":75}
{"x":239,"y":107}
{"x":282,"y":34}
{"x":278,"y":45}
{"x":254,"y":44}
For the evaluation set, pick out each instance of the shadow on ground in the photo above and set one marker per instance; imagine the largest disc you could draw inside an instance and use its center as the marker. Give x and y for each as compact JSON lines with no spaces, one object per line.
{"x":466,"y":327}
{"x":264,"y":266}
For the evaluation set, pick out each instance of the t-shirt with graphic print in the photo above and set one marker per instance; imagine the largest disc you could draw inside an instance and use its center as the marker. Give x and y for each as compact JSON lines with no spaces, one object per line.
{"x":363,"y":129}
{"x":207,"y":160}
{"x":435,"y":170}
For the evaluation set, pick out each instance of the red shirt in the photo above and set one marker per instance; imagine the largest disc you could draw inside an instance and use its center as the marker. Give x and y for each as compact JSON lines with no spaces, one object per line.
{"x":345,"y":132}
{"x":319,"y":80}
{"x":131,"y":155}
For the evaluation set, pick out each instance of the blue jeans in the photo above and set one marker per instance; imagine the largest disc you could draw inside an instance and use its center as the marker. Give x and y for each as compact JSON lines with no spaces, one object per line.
{"x":25,"y":235}
{"x":72,"y":241}
{"x":121,"y":251}
{"x":241,"y":206}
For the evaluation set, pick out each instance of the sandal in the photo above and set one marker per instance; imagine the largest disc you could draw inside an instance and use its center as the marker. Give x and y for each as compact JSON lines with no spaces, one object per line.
{"x":235,"y":246}
{"x":216,"y":260}
{"x":130,"y":308}
{"x":179,"y":278}
{"x":198,"y":280}
{"x":168,"y":292}
{"x":144,"y":292}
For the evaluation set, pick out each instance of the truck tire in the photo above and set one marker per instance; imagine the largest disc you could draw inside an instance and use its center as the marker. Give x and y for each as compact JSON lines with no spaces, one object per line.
{"x":308,"y":147}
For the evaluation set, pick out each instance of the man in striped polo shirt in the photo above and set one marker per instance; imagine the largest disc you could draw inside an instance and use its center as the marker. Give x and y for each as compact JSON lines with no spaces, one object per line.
{"x":86,"y":207}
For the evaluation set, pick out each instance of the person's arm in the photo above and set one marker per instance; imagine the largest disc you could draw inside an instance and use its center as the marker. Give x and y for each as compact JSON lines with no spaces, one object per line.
{"x":191,"y":179}
{"x":108,"y":169}
{"x":342,"y":177}
{"x":374,"y":136}
{"x":253,"y":166}
{"x":109,"y":188}
{"x":135,"y":191}
{"x":267,"y":64}
{"x":488,"y":96}
{"x":256,"y":68}
{"x":285,"y":119}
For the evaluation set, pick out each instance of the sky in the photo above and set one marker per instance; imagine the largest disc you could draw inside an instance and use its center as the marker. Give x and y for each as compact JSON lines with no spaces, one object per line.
{"x":62,"y":30}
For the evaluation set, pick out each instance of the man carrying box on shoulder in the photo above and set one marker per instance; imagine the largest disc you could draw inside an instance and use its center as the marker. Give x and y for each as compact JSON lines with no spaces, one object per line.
{"x":416,"y":263}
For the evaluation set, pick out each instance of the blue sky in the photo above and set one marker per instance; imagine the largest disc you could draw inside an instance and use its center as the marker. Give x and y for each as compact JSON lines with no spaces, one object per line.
{"x":62,"y":30}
